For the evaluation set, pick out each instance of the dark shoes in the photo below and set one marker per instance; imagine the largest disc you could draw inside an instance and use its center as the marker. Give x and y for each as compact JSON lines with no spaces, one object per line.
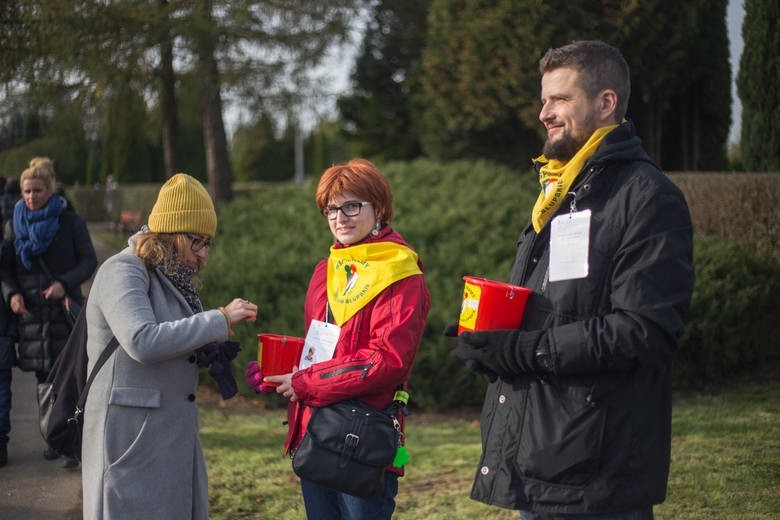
{"x":50,"y":454}
{"x":3,"y":454}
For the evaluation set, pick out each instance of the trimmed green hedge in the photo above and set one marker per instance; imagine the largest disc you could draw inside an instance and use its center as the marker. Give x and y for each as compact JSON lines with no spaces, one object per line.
{"x":734,"y":322}
{"x":464,"y":218}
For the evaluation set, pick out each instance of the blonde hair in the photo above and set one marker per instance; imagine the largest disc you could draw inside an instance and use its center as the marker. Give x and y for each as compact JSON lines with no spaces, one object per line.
{"x":164,"y":250}
{"x":41,"y":168}
{"x":42,"y":162}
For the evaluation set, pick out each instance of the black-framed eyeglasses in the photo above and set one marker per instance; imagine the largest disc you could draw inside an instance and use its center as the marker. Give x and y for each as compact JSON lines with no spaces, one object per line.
{"x":198,"y":243}
{"x":349,"y":209}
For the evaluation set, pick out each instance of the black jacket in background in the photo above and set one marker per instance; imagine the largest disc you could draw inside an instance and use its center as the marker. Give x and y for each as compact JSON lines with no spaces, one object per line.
{"x":594,"y":435}
{"x":71,"y":260}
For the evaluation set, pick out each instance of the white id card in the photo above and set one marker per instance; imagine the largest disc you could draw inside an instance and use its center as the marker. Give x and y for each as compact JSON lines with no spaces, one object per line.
{"x":320,"y":343}
{"x":569,"y":241}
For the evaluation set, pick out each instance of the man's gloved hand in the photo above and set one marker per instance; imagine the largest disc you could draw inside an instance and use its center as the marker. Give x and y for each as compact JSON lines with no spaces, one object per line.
{"x":451,"y":330}
{"x":254,"y":377}
{"x":502,"y":353}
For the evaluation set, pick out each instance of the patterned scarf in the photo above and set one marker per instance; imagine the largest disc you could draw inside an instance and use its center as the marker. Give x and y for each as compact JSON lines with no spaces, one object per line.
{"x":182,"y":277}
{"x":35,"y":229}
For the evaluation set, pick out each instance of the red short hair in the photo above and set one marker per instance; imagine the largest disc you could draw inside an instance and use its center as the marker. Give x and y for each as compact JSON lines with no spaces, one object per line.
{"x":361,"y":178}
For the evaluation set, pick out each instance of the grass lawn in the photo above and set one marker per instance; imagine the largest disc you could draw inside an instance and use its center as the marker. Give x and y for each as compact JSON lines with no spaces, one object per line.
{"x":725,"y":459}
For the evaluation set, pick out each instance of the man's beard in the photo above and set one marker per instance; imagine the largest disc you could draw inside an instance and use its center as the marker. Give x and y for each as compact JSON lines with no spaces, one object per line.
{"x":562,"y":149}
{"x":568,"y":144}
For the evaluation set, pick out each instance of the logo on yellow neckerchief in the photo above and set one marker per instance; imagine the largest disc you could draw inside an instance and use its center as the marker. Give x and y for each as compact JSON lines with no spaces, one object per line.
{"x":352,"y":277}
{"x":357,"y":274}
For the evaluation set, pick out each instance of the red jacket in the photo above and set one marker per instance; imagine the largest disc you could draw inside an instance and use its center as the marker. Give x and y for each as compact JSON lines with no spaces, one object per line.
{"x":375,"y":350}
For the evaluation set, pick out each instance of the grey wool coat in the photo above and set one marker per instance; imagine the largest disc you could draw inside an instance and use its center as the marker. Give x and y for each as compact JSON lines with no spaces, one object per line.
{"x":141,"y":454}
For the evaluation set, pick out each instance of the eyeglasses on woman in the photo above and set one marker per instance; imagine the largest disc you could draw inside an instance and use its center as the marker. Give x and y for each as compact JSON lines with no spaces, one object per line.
{"x":349,"y":209}
{"x":199,"y":243}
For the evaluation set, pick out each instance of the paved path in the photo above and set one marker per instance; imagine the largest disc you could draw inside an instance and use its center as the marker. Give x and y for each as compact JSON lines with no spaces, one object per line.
{"x":31,"y":487}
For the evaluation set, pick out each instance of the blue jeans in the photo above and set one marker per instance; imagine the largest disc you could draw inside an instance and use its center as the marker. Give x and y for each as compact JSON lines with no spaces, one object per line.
{"x":325,"y":504}
{"x":640,"y":514}
{"x":6,"y":375}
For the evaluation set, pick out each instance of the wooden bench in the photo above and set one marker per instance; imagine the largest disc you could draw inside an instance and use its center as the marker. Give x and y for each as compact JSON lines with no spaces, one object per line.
{"x":129,"y":221}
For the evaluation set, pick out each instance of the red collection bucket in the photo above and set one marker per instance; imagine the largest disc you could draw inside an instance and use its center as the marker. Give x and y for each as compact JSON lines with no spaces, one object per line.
{"x":278,"y":354}
{"x":490,"y":305}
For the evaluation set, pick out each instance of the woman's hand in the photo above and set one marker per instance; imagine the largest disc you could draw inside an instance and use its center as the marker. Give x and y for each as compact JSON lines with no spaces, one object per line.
{"x":285,"y":387}
{"x":240,"y":310}
{"x":254,"y":377}
{"x":17,"y":305}
{"x":56,"y":291}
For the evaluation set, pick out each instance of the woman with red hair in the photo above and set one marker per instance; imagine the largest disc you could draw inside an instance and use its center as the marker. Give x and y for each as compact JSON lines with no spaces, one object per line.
{"x":371,"y":289}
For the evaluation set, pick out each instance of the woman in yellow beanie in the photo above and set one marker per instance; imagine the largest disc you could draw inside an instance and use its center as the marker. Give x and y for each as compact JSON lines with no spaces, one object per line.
{"x":141,"y":454}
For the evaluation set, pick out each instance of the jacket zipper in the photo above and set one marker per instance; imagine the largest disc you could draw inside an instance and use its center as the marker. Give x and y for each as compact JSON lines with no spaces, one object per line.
{"x":344,"y":370}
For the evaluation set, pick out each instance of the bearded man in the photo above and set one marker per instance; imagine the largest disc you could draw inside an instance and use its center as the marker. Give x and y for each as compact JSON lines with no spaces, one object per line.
{"x":576,"y":421}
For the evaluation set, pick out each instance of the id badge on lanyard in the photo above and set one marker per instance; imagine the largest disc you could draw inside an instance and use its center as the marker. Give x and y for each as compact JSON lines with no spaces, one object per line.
{"x":320,"y":343}
{"x":569,"y":243}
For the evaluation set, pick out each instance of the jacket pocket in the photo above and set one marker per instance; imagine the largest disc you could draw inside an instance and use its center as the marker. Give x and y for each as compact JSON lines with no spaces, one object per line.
{"x":127,"y":423}
{"x":562,"y":439}
{"x":135,"y":396}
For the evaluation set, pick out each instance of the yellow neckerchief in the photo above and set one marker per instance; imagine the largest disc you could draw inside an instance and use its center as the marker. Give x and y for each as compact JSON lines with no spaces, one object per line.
{"x":556,"y":177}
{"x":358,"y":273}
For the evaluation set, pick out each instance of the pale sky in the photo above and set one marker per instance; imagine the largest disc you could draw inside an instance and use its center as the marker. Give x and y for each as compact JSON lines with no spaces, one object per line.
{"x":735,"y":14}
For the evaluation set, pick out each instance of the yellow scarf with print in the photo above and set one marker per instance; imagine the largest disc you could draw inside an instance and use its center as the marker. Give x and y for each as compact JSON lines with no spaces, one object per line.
{"x":357,"y":274}
{"x":556,"y":177}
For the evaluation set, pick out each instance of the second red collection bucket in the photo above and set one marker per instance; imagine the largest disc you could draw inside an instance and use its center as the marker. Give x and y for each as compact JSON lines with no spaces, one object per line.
{"x":278,"y":354}
{"x":490,"y":305}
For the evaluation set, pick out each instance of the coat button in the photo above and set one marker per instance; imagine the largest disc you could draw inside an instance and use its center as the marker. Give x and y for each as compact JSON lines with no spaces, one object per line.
{"x":191,"y":397}
{"x":193,"y":358}
{"x":484,"y":470}
{"x":501,"y":399}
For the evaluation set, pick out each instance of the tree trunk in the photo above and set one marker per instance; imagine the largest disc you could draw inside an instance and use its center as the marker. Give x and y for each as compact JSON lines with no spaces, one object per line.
{"x":170,"y":120}
{"x":215,"y":142}
{"x":647,"y":116}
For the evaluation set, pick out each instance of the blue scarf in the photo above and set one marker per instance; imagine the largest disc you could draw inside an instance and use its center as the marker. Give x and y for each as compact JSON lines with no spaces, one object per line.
{"x":36,"y":229}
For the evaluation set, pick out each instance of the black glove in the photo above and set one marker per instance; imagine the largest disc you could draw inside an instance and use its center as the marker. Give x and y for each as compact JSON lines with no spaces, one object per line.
{"x":451,"y":330}
{"x":504,"y":353}
{"x":217,"y":357}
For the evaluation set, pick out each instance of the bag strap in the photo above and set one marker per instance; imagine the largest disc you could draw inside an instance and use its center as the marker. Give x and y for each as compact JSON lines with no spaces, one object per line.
{"x":48,"y":273}
{"x":101,"y":360}
{"x":351,"y":440}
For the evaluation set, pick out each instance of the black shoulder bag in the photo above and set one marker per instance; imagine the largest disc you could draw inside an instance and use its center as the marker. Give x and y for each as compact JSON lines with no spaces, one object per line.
{"x":348,"y":445}
{"x":61,"y":398}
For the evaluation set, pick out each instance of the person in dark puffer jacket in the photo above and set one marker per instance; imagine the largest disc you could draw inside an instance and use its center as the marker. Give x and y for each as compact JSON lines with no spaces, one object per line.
{"x":576,"y":421}
{"x":7,"y":325}
{"x":47,"y":258}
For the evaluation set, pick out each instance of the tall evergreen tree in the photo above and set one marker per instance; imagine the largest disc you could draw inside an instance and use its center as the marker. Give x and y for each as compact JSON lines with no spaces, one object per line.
{"x":758,"y":83}
{"x":482,"y":84}
{"x":697,"y":113}
{"x":381,"y":112}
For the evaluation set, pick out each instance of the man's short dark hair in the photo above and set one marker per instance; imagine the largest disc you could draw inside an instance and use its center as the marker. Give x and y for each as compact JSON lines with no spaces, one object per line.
{"x":600,"y":67}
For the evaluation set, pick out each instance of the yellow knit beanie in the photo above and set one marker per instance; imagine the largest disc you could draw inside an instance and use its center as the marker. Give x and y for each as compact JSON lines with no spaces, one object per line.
{"x":183,"y":206}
